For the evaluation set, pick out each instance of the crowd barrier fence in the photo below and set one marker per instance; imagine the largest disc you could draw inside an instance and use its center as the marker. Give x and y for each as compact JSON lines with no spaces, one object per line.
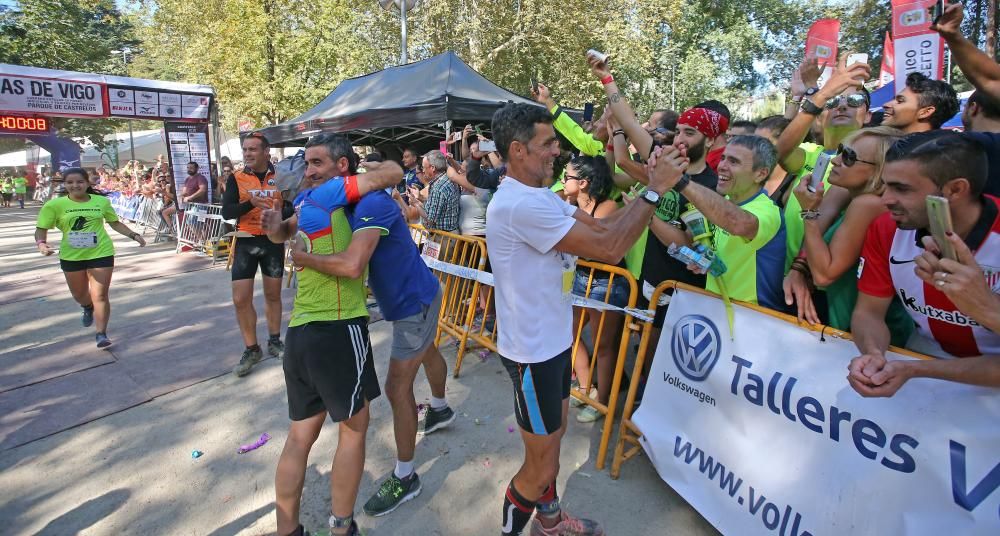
{"x":622,"y":335}
{"x":462,"y":296}
{"x":201,"y":228}
{"x":144,"y":212}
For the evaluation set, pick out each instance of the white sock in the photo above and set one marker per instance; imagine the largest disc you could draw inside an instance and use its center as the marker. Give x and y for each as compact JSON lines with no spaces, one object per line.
{"x":438,"y":403}
{"x":403,"y":469}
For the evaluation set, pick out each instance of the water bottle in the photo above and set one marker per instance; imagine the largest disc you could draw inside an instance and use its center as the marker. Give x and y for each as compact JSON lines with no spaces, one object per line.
{"x":701,"y":256}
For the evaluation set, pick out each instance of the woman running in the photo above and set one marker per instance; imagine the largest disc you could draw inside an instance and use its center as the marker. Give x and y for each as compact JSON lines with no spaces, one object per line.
{"x":86,"y":253}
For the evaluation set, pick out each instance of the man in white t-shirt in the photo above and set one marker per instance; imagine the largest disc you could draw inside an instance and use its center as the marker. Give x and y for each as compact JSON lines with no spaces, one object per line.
{"x":533,"y":239}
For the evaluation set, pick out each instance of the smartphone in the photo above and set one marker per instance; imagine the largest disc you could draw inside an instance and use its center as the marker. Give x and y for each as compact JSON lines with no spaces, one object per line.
{"x":939,"y":215}
{"x":487,"y":146}
{"x":819,"y":172}
{"x":443,"y":147}
{"x":599,"y":56}
{"x":588,"y":111}
{"x":534,"y":85}
{"x":857,"y":58}
{"x":938,"y":11}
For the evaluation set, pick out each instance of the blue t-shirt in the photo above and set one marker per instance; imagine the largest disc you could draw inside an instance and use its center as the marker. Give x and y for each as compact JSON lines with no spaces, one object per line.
{"x":315,"y":205}
{"x":398,"y":277}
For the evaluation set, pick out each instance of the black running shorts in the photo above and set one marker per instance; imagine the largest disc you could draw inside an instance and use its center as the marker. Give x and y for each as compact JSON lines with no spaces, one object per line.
{"x":77,"y":266}
{"x":328,"y":366}
{"x":258,"y":250}
{"x":539,"y":392}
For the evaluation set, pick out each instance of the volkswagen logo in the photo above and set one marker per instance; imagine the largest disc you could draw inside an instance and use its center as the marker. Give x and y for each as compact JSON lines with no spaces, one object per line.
{"x":696,"y":346}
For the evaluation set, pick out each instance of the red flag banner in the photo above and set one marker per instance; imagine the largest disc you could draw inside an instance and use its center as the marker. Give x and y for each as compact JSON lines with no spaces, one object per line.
{"x":887,"y":74}
{"x":917,"y":48}
{"x":821,"y":42}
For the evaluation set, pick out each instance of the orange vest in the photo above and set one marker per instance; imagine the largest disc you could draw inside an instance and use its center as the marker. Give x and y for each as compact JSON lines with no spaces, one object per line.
{"x":249,"y":185}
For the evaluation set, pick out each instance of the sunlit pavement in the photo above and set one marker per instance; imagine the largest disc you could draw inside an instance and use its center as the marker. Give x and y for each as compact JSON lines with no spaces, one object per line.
{"x":95,"y":442}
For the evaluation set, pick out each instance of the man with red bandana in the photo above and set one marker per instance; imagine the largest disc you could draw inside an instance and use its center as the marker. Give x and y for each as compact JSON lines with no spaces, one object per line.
{"x":714,"y":155}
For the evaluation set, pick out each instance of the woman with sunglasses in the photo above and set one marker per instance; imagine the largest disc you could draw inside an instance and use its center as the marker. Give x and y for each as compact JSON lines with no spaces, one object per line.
{"x":587,"y":184}
{"x":830,"y":257}
{"x":86,"y":253}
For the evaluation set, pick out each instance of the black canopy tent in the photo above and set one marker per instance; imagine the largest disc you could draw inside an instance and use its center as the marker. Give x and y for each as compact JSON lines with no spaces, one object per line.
{"x":404,"y":105}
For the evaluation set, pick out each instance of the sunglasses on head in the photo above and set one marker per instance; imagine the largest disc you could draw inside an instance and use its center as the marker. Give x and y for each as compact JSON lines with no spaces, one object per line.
{"x":850,"y":157}
{"x":853,"y":101}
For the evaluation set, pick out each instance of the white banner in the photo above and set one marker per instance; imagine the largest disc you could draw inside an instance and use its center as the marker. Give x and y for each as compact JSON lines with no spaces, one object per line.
{"x":763,"y":434}
{"x":918,"y":53}
{"x":53,"y":97}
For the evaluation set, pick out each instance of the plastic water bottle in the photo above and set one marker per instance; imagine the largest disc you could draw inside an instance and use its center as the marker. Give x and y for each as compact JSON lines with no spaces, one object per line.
{"x":701,"y":256}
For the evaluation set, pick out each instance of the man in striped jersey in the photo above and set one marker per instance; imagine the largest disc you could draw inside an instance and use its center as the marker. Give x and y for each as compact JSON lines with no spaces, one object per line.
{"x":328,"y":360}
{"x":955,"y":304}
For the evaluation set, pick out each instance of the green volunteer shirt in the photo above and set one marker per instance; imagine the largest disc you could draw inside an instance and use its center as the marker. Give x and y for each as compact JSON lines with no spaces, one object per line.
{"x":7,"y":187}
{"x":82,"y":225}
{"x":794,"y":228}
{"x":754,"y":268}
{"x":20,"y":185}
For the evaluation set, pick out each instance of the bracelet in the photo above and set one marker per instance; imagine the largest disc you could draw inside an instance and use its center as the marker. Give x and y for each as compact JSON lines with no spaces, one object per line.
{"x":682,"y":183}
{"x":607,"y":79}
{"x":796,"y":99}
{"x":618,"y":132}
{"x":809,"y":214}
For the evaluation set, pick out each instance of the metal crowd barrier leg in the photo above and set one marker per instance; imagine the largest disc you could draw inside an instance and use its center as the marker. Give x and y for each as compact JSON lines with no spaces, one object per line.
{"x":622,"y":337}
{"x":627,"y":432}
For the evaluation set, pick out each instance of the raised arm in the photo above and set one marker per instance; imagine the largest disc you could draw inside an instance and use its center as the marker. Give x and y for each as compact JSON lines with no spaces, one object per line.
{"x":976,"y":65}
{"x":621,"y":109}
{"x":565,"y":125}
{"x":379,"y":176}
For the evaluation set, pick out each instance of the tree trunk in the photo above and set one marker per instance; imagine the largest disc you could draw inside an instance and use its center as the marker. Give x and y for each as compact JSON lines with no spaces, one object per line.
{"x":977,"y":22}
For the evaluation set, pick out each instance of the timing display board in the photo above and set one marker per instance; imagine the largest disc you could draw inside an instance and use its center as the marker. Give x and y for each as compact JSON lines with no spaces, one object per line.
{"x":19,"y":124}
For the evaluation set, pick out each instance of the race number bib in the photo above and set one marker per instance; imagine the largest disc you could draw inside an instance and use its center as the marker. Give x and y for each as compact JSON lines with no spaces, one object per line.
{"x":82,"y":239}
{"x":568,"y":275}
{"x":432,"y":249}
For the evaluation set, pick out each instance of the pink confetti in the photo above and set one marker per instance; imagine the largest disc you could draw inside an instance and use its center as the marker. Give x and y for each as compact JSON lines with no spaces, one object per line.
{"x":510,"y":429}
{"x":255,"y":445}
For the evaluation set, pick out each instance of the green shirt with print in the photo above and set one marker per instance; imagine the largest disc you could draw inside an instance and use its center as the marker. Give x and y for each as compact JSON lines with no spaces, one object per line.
{"x":82,"y":224}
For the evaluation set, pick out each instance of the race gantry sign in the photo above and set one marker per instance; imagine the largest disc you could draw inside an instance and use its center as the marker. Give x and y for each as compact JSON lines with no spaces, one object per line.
{"x":33,"y":92}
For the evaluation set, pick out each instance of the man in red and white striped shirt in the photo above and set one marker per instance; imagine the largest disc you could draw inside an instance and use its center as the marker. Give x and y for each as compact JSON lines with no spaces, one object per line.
{"x":954,"y":304}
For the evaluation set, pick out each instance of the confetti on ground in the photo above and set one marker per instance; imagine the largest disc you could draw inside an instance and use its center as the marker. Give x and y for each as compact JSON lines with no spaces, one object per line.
{"x":264,"y":438}
{"x":196,"y":453}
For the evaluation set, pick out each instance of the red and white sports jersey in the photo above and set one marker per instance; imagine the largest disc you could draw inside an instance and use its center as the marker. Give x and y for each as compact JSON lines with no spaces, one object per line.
{"x":887,"y":268}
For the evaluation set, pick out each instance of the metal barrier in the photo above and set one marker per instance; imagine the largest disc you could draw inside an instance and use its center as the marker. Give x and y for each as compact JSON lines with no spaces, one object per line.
{"x":145,"y":212}
{"x":601,"y":339}
{"x":201,"y":227}
{"x":460,"y":295}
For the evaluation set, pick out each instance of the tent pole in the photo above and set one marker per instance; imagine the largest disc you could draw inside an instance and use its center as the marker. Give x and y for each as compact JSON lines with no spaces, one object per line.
{"x":131,"y":141}
{"x":402,"y":44}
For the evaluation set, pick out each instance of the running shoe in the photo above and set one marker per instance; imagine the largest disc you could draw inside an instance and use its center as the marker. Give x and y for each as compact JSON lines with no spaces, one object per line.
{"x":393,"y":492}
{"x":567,"y":526}
{"x":88,"y":316}
{"x":588,"y":414}
{"x":103,"y":341}
{"x":436,"y":419}
{"x":247,"y":361}
{"x":275,"y":348}
{"x":575,"y":402}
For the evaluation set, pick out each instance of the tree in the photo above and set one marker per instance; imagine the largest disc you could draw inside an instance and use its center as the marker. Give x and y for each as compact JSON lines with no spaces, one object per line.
{"x":73,"y":35}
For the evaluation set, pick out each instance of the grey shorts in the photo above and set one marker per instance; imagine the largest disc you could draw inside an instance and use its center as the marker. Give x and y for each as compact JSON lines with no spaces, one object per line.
{"x":413,"y":334}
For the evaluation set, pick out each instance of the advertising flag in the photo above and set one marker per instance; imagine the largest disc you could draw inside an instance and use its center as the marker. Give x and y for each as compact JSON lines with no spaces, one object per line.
{"x":821,"y":43}
{"x":917,"y":48}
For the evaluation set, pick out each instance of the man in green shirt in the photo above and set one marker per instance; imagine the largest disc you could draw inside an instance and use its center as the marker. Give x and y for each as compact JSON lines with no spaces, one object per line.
{"x":842,"y":107}
{"x":749,"y":233}
{"x":20,"y":189}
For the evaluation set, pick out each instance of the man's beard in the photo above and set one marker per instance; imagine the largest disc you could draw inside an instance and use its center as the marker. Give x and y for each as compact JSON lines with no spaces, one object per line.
{"x":696,"y":152}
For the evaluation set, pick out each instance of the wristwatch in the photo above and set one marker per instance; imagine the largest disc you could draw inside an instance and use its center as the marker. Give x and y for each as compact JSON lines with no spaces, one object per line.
{"x":810,"y":92}
{"x":809,"y":107}
{"x":682,"y":184}
{"x":650,"y":197}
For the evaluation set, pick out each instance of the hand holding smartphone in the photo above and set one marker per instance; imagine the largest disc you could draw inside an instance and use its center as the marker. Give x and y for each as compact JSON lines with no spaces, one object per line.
{"x":819,"y":172}
{"x":939,"y":216}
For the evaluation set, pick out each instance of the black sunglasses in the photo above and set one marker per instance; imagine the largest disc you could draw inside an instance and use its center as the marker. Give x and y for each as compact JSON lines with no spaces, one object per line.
{"x":571,"y":178}
{"x":850,"y":157}
{"x":853,"y":101}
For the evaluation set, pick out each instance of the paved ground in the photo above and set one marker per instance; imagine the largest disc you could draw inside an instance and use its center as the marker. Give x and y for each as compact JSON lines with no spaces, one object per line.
{"x":164,"y":391}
